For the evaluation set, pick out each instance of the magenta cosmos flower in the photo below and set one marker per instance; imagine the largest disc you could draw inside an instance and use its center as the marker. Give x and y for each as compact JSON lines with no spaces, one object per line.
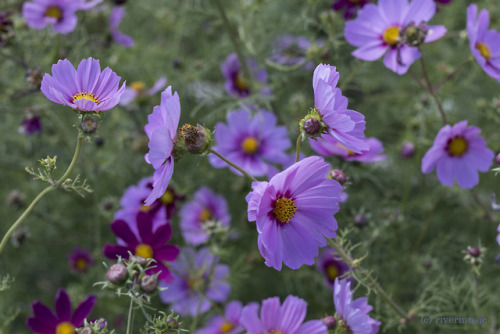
{"x":327,"y":146}
{"x":138,"y":89}
{"x":206,"y":206}
{"x":253,"y":143}
{"x":347,"y":126}
{"x":61,"y":14}
{"x":84,"y":89}
{"x":294,"y":212}
{"x":115,"y":18}
{"x":276,"y":318}
{"x":376,"y":31}
{"x":332,"y":266}
{"x":350,"y":7}
{"x":227,"y":324}
{"x":484,"y":43}
{"x":198,"y":282}
{"x":498,"y":236}
{"x":162,"y":132}
{"x":150,"y":244}
{"x":354,"y":313}
{"x":236,"y":84}
{"x":458,"y":153}
{"x":80,"y":260}
{"x":44,"y":321}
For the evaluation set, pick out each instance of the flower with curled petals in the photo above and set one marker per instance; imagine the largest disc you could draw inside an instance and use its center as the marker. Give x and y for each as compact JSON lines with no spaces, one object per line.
{"x":151,"y":244}
{"x":44,"y":321}
{"x":280,"y":319}
{"x":294,"y":213}
{"x":86,"y":89}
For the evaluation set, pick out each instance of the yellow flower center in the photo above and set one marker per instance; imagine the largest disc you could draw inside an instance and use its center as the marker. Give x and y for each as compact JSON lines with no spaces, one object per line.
{"x":194,"y":282}
{"x":65,"y":328}
{"x":55,"y":12}
{"x":457,"y":146}
{"x":205,"y":215}
{"x":332,"y":272}
{"x":241,"y":83}
{"x":250,"y":145}
{"x":391,"y":35}
{"x":86,"y":96}
{"x":168,"y":197}
{"x":226,"y":327}
{"x":144,"y":251}
{"x":145,"y":208}
{"x":275,"y":332}
{"x":484,"y":50}
{"x":81,"y":264}
{"x":284,"y":209}
{"x":138,"y":86}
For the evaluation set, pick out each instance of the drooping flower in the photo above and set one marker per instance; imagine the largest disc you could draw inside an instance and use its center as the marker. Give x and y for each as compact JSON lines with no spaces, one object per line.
{"x":84,"y":89}
{"x":206,"y":206}
{"x":294,"y":212}
{"x":484,"y":43}
{"x":293,"y":50}
{"x":327,"y":146}
{"x":64,"y":321}
{"x":280,"y":319}
{"x":332,"y":266}
{"x":350,"y":7}
{"x":137,"y":89}
{"x":115,"y":18}
{"x":354,"y":313}
{"x":378,"y":30}
{"x":330,"y":114}
{"x":251,"y":143}
{"x":151,"y":244}
{"x":31,"y":125}
{"x":80,"y":260}
{"x":198,"y":281}
{"x":162,"y":132}
{"x":61,"y":14}
{"x":236,"y":84}
{"x":458,"y":153}
{"x":227,"y":324}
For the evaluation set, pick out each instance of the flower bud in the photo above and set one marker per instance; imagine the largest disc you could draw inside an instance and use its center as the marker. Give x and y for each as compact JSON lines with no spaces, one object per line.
{"x":15,"y":199}
{"x":338,"y":175}
{"x":149,"y":283}
{"x":196,"y":139}
{"x":407,"y":150}
{"x":474,"y":251}
{"x":360,"y":220}
{"x":311,"y":126}
{"x":89,"y":126}
{"x":20,"y":236}
{"x":34,"y":78}
{"x":497,"y":259}
{"x":329,"y":321}
{"x":86,"y":330}
{"x":142,"y":261}
{"x":497,"y":159}
{"x":99,"y":141}
{"x":117,"y":273}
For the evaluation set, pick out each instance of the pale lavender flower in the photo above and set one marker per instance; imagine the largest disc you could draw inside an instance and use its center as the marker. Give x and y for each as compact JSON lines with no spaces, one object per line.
{"x":137,"y":89}
{"x":236,"y":84}
{"x":327,"y":146}
{"x":227,"y":324}
{"x":115,"y":18}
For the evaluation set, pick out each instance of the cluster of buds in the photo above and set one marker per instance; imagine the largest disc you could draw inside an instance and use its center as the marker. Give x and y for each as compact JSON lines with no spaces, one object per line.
{"x":413,"y":34}
{"x":99,"y":326}
{"x":165,"y":323}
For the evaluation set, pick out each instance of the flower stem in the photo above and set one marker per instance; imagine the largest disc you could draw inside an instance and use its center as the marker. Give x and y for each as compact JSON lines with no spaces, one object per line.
{"x":452,"y":74}
{"x":241,"y":170}
{"x":130,"y":316}
{"x":431,"y":91}
{"x":483,"y":207}
{"x":297,"y":145}
{"x":476,"y":292}
{"x":43,"y":193}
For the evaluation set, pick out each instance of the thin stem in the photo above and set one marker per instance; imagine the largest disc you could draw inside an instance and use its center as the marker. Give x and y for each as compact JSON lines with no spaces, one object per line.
{"x":43,"y":193}
{"x":452,"y":74}
{"x":476,"y":292}
{"x":130,"y":316}
{"x":431,"y":92}
{"x":234,"y":40}
{"x":483,"y":207}
{"x":242,"y":171}
{"x":351,"y":75}
{"x":297,"y":146}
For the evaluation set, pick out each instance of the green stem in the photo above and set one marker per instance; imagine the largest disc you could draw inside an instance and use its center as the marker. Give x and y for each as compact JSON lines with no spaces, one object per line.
{"x":483,"y":207}
{"x":431,"y":91}
{"x":297,"y":147}
{"x":242,"y":171}
{"x":476,"y":292}
{"x":43,"y":193}
{"x":130,"y":316}
{"x":351,"y":75}
{"x":452,"y":74}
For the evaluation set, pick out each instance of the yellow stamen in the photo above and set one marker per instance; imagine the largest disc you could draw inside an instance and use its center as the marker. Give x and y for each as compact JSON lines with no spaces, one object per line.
{"x":241,"y":84}
{"x":65,"y":328}
{"x":284,"y":209}
{"x":349,"y":152}
{"x":226,"y":327}
{"x":167,"y":198}
{"x":275,"y":332}
{"x":391,"y":35}
{"x":145,"y":208}
{"x":332,"y":272}
{"x":457,"y":146}
{"x":484,"y":50}
{"x":81,"y":264}
{"x":250,"y":145}
{"x":205,"y":215}
{"x":144,"y":251}
{"x":86,"y":96}
{"x":138,"y":86}
{"x":55,"y":12}
{"x":194,"y":282}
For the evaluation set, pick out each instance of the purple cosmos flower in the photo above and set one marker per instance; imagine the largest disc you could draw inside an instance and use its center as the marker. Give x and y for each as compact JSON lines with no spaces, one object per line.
{"x":137,"y":89}
{"x":206,"y":206}
{"x":293,"y":211}
{"x":347,"y":126}
{"x":276,"y":318}
{"x":162,"y":131}
{"x":60,"y":13}
{"x":196,"y":275}
{"x":458,"y":153}
{"x":31,"y":125}
{"x":354,"y":313}
{"x":44,"y":321}
{"x":292,"y":50}
{"x":236,"y":84}
{"x":407,"y":150}
{"x":332,"y":266}
{"x":80,"y":260}
{"x":350,"y":7}
{"x":115,"y":18}
{"x":498,"y":236}
{"x":327,"y":146}
{"x":150,"y":244}
{"x":251,"y":143}
{"x":377,"y":30}
{"x":484,"y":43}
{"x":227,"y":324}
{"x":84,"y":89}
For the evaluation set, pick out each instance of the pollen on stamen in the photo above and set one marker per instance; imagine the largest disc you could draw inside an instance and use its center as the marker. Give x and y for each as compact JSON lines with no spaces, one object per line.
{"x":86,"y":96}
{"x":250,"y":145}
{"x":284,"y":209}
{"x":54,"y":12}
{"x":144,"y":251}
{"x":391,"y":35}
{"x":484,"y":50}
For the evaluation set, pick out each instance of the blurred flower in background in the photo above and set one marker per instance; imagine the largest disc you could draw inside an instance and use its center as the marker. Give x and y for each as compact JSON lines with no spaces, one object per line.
{"x":80,"y":260}
{"x":350,"y":7}
{"x":137,"y":89}
{"x":229,"y":323}
{"x":236,"y":83}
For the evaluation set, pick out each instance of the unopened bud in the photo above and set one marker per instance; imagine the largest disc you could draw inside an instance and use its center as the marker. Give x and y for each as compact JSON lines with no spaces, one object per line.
{"x":407,"y":150}
{"x":172,"y":323}
{"x":20,"y":236}
{"x":149,"y":283}
{"x":15,"y":199}
{"x":497,"y":259}
{"x":117,"y":273}
{"x":197,"y":139}
{"x":312,"y":126}
{"x":87,"y":330}
{"x":89,"y":126}
{"x":142,"y":261}
{"x":497,"y":159}
{"x":34,"y":77}
{"x":474,"y":251}
{"x":338,"y":175}
{"x":329,"y":321}
{"x":360,"y":220}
